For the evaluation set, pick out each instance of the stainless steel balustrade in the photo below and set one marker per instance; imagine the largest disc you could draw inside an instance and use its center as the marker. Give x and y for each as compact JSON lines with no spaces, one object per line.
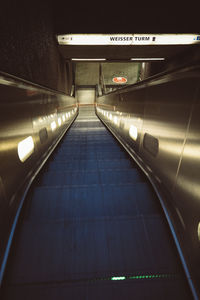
{"x":157,"y":120}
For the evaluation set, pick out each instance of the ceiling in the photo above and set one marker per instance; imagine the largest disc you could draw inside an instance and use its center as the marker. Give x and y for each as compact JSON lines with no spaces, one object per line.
{"x":120,"y":17}
{"x":114,"y":17}
{"x":112,"y":52}
{"x":123,"y":17}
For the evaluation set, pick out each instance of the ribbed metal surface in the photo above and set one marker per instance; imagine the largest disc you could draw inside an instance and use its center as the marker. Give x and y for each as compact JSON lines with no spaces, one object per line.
{"x":90,"y":216}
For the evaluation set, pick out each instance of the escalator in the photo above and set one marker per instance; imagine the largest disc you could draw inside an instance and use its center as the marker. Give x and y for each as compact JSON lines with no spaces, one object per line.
{"x":92,"y":227}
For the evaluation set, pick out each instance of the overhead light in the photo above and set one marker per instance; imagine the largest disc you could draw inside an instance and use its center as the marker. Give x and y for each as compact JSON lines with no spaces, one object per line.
{"x":89,"y":59}
{"x":148,"y":59}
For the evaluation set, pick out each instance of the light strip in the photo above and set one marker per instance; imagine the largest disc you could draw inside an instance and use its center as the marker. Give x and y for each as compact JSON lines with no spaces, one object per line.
{"x":25,"y":148}
{"x":129,"y":39}
{"x":150,"y":58}
{"x":53,"y":125}
{"x":89,"y":59}
{"x":5,"y":81}
{"x":142,"y":276}
{"x":59,"y":121}
{"x":133,"y":132}
{"x":115,"y":120}
{"x":132,"y":277}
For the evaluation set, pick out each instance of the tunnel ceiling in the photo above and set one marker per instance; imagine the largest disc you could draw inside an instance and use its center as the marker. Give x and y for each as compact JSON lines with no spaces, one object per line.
{"x":122,"y":17}
{"x":121,"y":52}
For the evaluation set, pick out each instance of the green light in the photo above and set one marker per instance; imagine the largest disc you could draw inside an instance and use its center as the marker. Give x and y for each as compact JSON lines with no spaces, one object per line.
{"x":118,"y":278}
{"x":138,"y":277}
{"x":132,"y":277}
{"x":156,"y":276}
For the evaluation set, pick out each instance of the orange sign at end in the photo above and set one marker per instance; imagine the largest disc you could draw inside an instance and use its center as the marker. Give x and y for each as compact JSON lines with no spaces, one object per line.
{"x":119,"y":79}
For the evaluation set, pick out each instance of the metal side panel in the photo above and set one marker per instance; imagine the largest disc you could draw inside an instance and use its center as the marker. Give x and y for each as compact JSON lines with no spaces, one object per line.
{"x":32,"y":121}
{"x":158,"y":122}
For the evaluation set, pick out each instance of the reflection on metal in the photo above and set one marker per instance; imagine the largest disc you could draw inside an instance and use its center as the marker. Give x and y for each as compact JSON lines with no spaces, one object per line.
{"x":151,"y":144}
{"x":115,"y":120}
{"x":2,"y":195}
{"x":53,"y":125}
{"x":149,"y":169}
{"x":43,"y":134}
{"x":198,"y":231}
{"x":133,"y":132}
{"x":27,"y":135}
{"x":25,"y":148}
{"x":59,"y":121}
{"x":5,"y":82}
{"x":189,"y":186}
{"x":180,"y":217}
{"x":161,"y":109}
{"x":128,"y":39}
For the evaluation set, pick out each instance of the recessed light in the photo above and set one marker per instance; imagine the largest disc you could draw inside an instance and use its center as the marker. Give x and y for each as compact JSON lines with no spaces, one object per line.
{"x":88,"y":59}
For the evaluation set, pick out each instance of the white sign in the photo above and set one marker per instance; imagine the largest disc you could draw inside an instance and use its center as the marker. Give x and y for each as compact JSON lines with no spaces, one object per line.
{"x":128,"y":39}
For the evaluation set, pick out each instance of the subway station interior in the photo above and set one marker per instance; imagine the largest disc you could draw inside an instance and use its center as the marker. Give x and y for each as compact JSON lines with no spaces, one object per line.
{"x":99,"y":153}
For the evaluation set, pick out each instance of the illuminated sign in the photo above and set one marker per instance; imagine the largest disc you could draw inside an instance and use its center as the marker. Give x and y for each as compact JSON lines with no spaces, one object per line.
{"x":119,"y":80}
{"x":128,"y":39}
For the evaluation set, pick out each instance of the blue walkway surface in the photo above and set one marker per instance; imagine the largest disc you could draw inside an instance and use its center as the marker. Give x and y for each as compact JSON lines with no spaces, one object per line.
{"x":92,"y":227}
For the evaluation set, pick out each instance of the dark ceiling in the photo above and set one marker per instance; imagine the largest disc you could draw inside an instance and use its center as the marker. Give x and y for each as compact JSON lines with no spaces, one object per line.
{"x":117,"y":16}
{"x":123,"y":17}
{"x":122,"y":52}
